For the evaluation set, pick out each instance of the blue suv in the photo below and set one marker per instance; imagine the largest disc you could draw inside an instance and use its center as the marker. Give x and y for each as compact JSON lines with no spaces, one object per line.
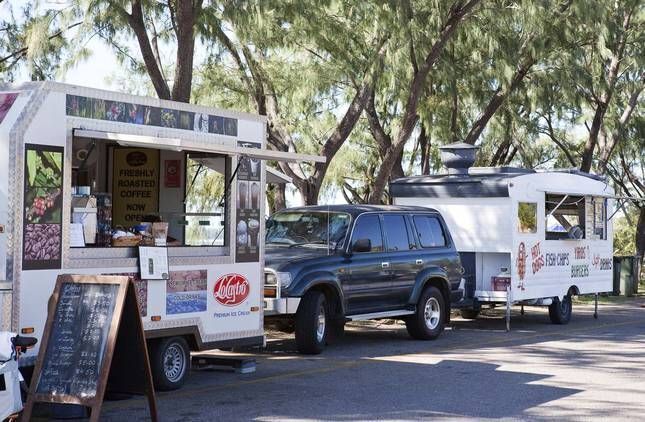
{"x":326,"y":265}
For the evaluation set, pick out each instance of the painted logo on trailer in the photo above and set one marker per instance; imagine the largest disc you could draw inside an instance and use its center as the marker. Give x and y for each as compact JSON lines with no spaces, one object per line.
{"x":521,"y":264}
{"x":231,"y":289}
{"x":521,"y":260}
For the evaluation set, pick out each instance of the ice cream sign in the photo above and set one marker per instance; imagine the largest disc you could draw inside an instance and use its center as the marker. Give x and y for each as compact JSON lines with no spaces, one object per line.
{"x":231,"y":289}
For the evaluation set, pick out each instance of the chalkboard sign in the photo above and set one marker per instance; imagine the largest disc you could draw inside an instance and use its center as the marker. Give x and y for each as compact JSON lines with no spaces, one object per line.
{"x":94,"y":319}
{"x":78,"y":340}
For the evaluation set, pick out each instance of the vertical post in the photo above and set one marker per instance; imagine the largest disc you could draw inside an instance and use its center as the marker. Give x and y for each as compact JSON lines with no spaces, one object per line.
{"x":595,"y":309}
{"x":508,"y":308}
{"x":522,"y":310}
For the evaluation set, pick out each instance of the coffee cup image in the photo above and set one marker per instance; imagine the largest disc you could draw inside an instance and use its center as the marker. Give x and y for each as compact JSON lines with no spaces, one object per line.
{"x":242,"y":235}
{"x":255,"y":195}
{"x":242,"y":194}
{"x":255,"y":165}
{"x":254,"y":228}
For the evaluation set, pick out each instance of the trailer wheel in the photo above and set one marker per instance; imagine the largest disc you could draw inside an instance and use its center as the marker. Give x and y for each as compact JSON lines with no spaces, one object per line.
{"x":170,"y":362}
{"x":469,"y":314}
{"x":312,"y":323}
{"x":560,"y":310}
{"x":429,"y":320}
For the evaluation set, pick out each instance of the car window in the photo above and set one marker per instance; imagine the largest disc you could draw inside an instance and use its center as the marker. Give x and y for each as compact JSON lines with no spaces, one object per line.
{"x":396,"y":233}
{"x":369,"y":227}
{"x":429,"y":231}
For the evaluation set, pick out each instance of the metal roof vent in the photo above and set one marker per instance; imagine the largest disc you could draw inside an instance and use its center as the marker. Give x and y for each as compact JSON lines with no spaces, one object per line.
{"x":458,"y":157}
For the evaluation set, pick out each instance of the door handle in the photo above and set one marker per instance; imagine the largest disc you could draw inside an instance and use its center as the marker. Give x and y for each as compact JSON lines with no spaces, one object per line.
{"x":419,"y":261}
{"x":385,"y":265}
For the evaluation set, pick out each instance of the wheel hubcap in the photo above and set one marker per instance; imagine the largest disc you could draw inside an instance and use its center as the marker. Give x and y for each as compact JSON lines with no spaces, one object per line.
{"x":174,"y":365}
{"x":432,"y":313}
{"x":322,"y":323}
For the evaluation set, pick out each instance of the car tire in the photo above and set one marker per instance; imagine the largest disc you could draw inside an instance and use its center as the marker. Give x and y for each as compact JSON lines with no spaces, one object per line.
{"x":169,"y":362}
{"x":560,"y":310}
{"x":312,"y":323}
{"x":469,"y":313}
{"x":429,"y":320}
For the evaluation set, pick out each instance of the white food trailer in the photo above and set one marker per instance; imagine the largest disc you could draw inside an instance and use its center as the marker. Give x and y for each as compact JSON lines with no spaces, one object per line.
{"x":87,"y":176}
{"x":525,"y":237}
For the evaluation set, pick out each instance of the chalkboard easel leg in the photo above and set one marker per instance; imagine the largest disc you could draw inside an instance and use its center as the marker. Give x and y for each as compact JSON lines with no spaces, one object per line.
{"x":95,"y":411}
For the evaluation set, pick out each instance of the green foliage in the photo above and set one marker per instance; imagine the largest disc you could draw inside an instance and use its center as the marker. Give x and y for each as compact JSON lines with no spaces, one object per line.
{"x":34,"y":41}
{"x":625,"y":233}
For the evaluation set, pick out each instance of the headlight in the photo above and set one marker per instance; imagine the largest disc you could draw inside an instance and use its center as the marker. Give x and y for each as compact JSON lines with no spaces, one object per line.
{"x":284,"y":279}
{"x":269,"y":279}
{"x":273,"y":279}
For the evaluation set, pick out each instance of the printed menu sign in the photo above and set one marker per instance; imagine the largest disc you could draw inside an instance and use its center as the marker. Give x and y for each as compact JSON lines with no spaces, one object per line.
{"x":135,"y":185}
{"x":248,"y":207}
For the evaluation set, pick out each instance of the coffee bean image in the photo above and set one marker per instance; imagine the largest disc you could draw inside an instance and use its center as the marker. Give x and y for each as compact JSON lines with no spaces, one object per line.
{"x":42,"y":242}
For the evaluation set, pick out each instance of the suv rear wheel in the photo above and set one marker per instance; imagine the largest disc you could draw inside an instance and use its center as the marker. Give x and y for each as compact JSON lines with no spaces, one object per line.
{"x":429,"y":320}
{"x":312,"y":323}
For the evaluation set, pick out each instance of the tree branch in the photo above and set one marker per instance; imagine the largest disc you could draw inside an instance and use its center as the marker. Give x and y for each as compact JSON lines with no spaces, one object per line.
{"x":22,"y":51}
{"x":136,"y":23}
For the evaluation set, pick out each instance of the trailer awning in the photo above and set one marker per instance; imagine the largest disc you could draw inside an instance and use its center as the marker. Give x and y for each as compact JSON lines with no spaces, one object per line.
{"x":277,"y":177}
{"x":177,"y":144}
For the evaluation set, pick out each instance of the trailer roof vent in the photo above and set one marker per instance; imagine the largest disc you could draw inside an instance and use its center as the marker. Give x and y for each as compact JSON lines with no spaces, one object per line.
{"x":458,"y":157}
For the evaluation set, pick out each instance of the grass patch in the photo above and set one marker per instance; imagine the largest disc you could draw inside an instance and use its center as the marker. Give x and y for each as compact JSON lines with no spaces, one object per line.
{"x":603,"y":299}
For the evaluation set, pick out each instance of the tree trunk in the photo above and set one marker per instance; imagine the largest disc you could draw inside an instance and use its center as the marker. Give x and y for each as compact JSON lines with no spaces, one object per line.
{"x":603,"y":101}
{"x":457,"y":12}
{"x":590,"y":145}
{"x":136,"y":22}
{"x":276,"y":197}
{"x":497,"y":100}
{"x":424,"y":142}
{"x":617,"y":133}
{"x":186,"y":13}
{"x":397,"y":170}
{"x":640,"y":240}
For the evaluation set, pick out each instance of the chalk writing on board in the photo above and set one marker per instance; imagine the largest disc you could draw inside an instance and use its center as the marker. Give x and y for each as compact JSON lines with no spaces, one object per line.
{"x":78,"y":340}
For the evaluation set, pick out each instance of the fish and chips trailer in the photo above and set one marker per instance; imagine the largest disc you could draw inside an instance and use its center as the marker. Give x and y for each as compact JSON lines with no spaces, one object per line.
{"x":79,"y":167}
{"x":525,"y":237}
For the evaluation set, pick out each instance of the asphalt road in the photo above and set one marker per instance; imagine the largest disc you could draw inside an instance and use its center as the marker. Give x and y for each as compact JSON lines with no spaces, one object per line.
{"x":589,"y":369}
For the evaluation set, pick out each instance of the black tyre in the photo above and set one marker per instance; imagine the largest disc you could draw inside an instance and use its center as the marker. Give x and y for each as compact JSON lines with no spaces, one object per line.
{"x":312,"y":323}
{"x":170,"y":362}
{"x":429,"y":320}
{"x":560,"y":310}
{"x":469,"y":313}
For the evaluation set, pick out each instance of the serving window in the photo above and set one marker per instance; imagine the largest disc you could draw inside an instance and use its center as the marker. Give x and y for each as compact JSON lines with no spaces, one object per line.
{"x":128,"y":196}
{"x":565,"y":216}
{"x":527,"y":217}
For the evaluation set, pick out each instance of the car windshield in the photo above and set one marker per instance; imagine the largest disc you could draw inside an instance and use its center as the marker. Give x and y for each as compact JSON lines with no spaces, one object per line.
{"x":308,"y":228}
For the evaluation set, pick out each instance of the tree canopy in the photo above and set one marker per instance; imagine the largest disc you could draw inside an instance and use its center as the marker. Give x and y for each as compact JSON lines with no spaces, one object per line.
{"x":377,"y":86}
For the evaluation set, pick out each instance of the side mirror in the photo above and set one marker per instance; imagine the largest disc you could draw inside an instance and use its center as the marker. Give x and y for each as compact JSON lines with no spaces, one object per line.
{"x":362,"y":245}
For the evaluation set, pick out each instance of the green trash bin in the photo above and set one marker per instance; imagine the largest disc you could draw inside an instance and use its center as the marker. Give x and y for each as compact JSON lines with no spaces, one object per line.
{"x":625,"y":280}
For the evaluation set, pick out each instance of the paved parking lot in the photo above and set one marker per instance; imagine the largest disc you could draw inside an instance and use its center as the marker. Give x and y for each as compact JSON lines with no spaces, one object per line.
{"x":589,"y":369}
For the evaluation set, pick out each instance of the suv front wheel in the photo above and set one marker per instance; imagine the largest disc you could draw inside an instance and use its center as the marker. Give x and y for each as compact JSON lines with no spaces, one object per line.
{"x":312,"y":323}
{"x":429,"y":320}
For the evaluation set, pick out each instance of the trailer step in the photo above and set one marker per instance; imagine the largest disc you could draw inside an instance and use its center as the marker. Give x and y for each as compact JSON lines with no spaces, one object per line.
{"x":377,"y":315}
{"x":241,"y":365}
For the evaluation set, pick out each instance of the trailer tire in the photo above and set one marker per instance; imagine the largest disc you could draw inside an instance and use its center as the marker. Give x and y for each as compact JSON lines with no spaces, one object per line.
{"x":429,"y":320}
{"x":560,"y":310}
{"x":469,"y":313}
{"x":169,"y":362}
{"x":312,"y":323}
